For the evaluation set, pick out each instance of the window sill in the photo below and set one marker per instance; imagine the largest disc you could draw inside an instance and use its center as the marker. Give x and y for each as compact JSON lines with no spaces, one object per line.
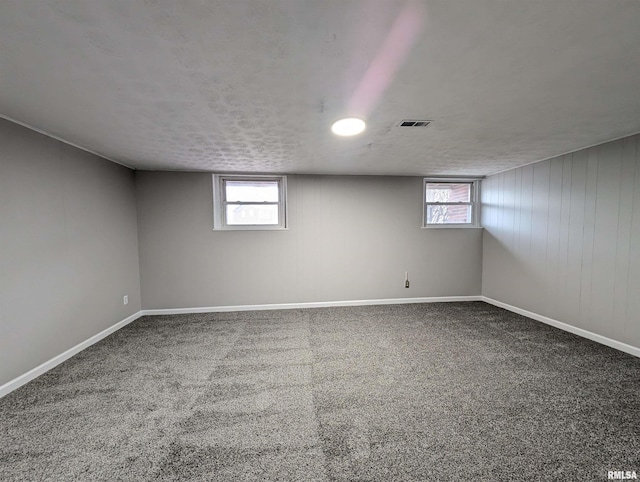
{"x":451,"y":226}
{"x":249,"y":228}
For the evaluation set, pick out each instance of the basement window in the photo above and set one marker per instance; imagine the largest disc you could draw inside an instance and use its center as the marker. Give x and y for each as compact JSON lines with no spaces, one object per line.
{"x":249,"y":202}
{"x":450,"y":203}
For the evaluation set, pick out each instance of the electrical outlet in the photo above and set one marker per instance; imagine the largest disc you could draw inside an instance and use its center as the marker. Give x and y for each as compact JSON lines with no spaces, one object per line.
{"x":406,"y":284}
{"x":125,"y":300}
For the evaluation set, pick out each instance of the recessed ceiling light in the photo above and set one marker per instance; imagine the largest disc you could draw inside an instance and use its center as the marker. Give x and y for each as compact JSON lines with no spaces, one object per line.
{"x":349,"y":126}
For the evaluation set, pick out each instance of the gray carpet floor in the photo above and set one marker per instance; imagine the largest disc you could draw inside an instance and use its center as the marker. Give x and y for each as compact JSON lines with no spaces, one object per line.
{"x":447,"y":391}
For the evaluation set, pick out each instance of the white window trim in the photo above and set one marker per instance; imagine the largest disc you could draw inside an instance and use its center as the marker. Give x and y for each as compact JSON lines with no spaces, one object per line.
{"x":474,"y":203}
{"x":219,"y":223}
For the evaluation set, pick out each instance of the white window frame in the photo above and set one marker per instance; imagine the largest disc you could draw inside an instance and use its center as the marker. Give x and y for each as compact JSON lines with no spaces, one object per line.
{"x":219,"y":202}
{"x":474,"y":202}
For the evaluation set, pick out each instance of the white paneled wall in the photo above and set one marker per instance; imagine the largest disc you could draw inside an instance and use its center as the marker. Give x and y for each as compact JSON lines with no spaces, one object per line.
{"x":562,"y":239}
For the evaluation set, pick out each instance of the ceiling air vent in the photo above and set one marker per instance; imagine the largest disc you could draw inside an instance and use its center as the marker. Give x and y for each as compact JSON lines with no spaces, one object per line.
{"x":413,"y":123}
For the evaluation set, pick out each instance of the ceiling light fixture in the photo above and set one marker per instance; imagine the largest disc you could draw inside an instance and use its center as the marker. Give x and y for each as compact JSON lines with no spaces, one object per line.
{"x":349,"y":126}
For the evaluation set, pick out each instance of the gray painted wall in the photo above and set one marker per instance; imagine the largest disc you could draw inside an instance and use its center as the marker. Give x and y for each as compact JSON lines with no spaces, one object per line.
{"x":350,"y":238}
{"x":68,"y":247}
{"x":562,"y":239}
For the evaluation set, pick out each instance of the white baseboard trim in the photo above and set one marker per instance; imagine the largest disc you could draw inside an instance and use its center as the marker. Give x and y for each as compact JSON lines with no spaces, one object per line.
{"x":618,"y":345}
{"x":56,"y":360}
{"x":312,"y":304}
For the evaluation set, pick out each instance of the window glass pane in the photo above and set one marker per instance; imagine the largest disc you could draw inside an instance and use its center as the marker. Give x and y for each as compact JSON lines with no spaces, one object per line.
{"x":448,"y":214}
{"x":251,"y":191}
{"x":252,"y":214}
{"x":448,"y":192}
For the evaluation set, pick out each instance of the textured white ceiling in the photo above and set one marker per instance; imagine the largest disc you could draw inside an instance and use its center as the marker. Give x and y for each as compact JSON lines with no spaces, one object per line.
{"x":254,"y":85}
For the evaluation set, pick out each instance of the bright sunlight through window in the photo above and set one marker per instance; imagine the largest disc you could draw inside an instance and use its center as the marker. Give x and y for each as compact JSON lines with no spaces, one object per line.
{"x":249,"y":202}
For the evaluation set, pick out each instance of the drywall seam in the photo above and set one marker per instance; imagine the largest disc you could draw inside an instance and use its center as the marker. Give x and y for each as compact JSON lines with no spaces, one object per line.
{"x":618,"y":345}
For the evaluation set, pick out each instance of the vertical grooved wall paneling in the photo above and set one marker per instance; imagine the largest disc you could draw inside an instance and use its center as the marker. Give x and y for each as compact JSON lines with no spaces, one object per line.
{"x":349,"y":238}
{"x":562,"y":239}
